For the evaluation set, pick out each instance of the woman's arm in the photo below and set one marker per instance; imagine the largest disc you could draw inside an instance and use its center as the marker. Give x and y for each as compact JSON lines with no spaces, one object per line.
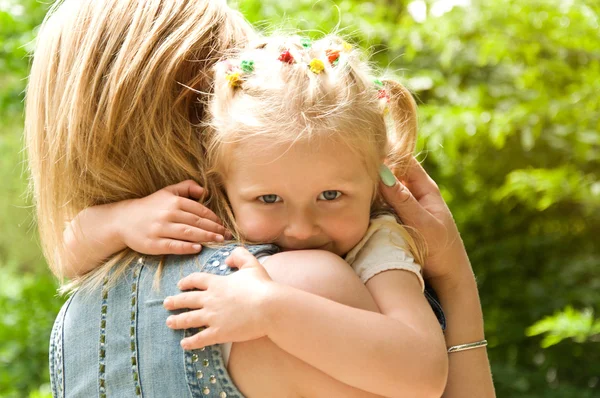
{"x":169,"y":221}
{"x":400,"y":352}
{"x":419,"y":203}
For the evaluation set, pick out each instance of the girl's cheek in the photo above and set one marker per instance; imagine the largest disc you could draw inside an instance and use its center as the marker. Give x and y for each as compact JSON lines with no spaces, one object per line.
{"x":257,"y":227}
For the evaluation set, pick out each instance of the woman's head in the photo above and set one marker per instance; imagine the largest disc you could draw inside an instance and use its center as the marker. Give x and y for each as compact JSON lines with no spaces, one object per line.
{"x":315,"y":110}
{"x":112,"y":101}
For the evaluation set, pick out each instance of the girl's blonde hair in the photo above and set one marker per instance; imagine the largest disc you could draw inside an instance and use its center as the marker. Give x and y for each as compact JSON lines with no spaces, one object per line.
{"x":282,"y":90}
{"x":112,"y":103}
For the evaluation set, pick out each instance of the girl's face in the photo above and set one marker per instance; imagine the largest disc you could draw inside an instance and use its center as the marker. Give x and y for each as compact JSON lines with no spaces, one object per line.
{"x":307,"y":196}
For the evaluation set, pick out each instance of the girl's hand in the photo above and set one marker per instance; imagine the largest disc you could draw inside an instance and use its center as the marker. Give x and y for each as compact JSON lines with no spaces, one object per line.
{"x":226,"y":308}
{"x":170,"y":221}
{"x":419,"y":203}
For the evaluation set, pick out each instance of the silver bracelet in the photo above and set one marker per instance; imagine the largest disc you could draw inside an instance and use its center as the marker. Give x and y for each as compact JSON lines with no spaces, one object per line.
{"x":468,"y":346}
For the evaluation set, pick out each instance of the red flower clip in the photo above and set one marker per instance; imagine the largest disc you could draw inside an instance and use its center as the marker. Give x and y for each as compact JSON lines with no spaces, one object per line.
{"x":383,"y":94}
{"x":333,"y":56}
{"x":286,"y":57}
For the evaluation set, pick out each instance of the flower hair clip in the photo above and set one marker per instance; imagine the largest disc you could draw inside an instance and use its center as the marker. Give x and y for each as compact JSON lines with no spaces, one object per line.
{"x":235,"y":75}
{"x":382,"y":95}
{"x":286,"y":57}
{"x":316,"y":66}
{"x":333,"y":56}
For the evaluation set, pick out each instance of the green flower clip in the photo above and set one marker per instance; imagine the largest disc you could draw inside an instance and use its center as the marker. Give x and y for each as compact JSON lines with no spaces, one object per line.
{"x":247,"y":66}
{"x":306,"y":42}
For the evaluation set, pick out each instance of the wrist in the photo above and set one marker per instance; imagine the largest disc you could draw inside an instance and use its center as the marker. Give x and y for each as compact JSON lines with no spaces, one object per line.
{"x":116,"y":213}
{"x":269,"y":307}
{"x":459,"y":274}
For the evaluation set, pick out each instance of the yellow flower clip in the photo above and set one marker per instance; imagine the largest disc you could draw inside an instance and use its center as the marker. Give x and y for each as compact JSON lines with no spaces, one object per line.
{"x":346,"y":46}
{"x":234,"y":79}
{"x":316,"y":66}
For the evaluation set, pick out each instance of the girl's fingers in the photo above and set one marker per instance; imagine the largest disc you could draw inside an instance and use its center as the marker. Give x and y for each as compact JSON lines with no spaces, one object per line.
{"x":186,"y":189}
{"x":205,"y":224}
{"x":188,"y":233}
{"x":197,"y":280}
{"x":199,"y":210}
{"x":201,"y":339}
{"x":187,"y":320}
{"x":192,"y":299}
{"x":173,"y":246}
{"x":240,"y":258}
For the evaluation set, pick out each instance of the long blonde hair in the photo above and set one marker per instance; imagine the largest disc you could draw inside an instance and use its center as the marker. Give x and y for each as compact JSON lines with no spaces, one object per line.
{"x":112,"y":103}
{"x":285,"y":89}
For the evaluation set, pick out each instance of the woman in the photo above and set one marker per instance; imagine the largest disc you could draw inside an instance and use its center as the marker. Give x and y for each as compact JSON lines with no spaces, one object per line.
{"x":111,"y":108}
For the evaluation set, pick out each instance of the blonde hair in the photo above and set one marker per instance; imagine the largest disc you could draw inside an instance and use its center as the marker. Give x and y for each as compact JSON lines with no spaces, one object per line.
{"x":282,"y":90}
{"x":112,"y":103}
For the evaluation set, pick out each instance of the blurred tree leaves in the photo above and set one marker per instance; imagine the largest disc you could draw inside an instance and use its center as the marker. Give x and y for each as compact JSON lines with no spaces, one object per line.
{"x":510,"y":129}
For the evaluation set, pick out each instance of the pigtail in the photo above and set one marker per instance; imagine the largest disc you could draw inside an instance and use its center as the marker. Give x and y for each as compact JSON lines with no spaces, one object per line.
{"x":403,"y":113}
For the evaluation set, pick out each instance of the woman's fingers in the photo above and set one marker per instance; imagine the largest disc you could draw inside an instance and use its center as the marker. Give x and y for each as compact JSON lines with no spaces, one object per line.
{"x":419,"y":182}
{"x":404,"y":203}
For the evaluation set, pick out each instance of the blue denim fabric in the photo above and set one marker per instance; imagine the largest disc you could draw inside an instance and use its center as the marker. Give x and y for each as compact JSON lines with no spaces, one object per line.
{"x":113,"y":341}
{"x":432,"y":298}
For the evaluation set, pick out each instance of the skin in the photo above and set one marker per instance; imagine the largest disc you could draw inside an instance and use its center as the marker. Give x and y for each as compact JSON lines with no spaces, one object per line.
{"x":280,"y":195}
{"x":261,"y":368}
{"x":307,"y":196}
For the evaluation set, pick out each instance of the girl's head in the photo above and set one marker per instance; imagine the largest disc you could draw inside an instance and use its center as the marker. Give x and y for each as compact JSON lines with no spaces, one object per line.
{"x":297,"y":134}
{"x":112,"y":102}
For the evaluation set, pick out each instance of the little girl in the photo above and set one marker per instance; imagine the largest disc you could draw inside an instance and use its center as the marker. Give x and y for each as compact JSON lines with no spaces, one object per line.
{"x":294,"y":149}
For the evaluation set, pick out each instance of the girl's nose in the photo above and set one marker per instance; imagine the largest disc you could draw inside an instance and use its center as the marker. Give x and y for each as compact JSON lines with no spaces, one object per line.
{"x":302,"y":226}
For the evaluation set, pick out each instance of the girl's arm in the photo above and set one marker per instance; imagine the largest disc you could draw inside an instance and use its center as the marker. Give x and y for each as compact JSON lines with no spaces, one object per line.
{"x":419,"y":203}
{"x":399,"y":352}
{"x":169,"y":221}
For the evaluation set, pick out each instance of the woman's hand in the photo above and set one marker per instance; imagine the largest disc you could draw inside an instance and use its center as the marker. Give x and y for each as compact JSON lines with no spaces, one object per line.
{"x":226,"y":308}
{"x":170,"y":221}
{"x":418,"y":202}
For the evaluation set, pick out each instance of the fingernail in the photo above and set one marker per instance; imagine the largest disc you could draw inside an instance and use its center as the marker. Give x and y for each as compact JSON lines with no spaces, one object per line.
{"x":197,"y":247}
{"x":386,"y":175}
{"x":167,"y":302}
{"x":219,"y":238}
{"x":170,"y":321}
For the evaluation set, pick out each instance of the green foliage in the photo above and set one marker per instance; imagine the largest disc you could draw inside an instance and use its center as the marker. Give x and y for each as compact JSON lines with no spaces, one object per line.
{"x":569,"y":323}
{"x":510,"y":121}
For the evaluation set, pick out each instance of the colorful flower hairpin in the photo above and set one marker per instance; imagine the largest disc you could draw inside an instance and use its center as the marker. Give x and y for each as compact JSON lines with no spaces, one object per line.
{"x":382,"y":95}
{"x":306,"y":42}
{"x":234,"y":78}
{"x":286,"y":57}
{"x":316,"y":66}
{"x":333,"y":56}
{"x":235,"y":74}
{"x":247,"y":66}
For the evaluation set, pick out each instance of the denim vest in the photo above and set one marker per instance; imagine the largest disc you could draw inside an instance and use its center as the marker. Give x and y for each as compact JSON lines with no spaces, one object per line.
{"x":113,"y":341}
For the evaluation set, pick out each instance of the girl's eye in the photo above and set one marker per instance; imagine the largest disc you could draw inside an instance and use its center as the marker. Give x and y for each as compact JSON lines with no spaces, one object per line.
{"x":329,"y":195}
{"x":269,"y":198}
